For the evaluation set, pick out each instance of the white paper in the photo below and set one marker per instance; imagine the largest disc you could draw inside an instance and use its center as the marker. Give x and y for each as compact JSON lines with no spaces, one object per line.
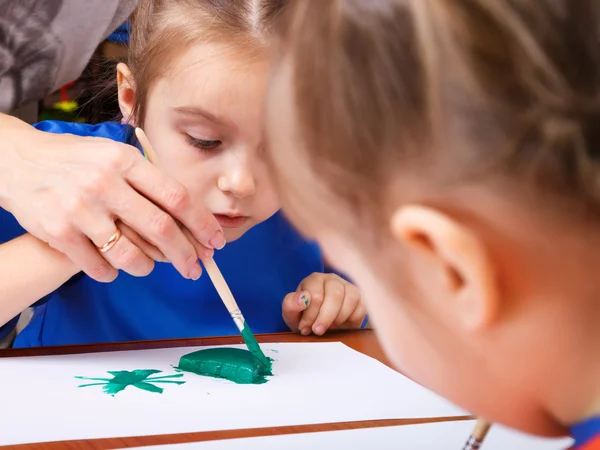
{"x":431,"y":436}
{"x":313,"y":383}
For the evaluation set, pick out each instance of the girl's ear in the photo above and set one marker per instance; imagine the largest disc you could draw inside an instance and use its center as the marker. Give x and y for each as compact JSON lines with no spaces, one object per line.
{"x":455,"y":264}
{"x":126,"y":87}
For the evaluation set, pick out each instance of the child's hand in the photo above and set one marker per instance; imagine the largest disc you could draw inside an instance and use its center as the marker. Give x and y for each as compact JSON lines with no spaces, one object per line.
{"x":323,"y":301}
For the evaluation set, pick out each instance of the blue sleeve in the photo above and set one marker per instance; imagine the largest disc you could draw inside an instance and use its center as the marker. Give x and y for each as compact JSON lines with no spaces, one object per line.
{"x":110,"y":130}
{"x":8,"y":328}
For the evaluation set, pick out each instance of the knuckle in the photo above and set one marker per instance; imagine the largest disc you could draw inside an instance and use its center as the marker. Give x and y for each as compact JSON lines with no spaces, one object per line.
{"x":130,"y":258}
{"x":94,"y":183}
{"x":338,"y":322}
{"x":353,"y":297}
{"x":335,"y":288}
{"x":74,"y":206}
{"x":118,"y":157}
{"x":191,"y":258}
{"x":163,"y":225}
{"x":59,"y":234}
{"x":102,"y":272}
{"x":316,"y":298}
{"x":176,"y":198}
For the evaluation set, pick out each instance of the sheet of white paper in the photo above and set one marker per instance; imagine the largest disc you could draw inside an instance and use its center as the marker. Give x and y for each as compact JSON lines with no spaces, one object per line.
{"x":431,"y":436}
{"x":313,"y":383}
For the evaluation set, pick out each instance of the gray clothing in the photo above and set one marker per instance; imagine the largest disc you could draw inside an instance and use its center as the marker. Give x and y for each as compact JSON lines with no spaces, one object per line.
{"x":47,"y":43}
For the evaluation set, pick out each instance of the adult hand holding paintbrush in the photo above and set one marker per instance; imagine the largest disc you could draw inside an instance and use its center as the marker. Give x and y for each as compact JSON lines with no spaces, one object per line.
{"x":215,"y":274}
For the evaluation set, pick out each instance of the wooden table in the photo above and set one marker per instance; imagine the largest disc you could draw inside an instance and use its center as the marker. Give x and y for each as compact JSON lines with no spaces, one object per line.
{"x":362,"y":341}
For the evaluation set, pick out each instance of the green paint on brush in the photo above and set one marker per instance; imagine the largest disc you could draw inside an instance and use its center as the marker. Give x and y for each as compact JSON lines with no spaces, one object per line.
{"x":254,"y":348}
{"x":234,"y":364}
{"x":140,"y":379}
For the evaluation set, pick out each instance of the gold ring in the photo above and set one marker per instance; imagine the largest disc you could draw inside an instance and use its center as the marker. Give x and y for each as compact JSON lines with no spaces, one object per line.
{"x":111,"y":242}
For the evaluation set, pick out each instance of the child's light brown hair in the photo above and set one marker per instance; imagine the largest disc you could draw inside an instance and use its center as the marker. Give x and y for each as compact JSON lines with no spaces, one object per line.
{"x":162,"y":29}
{"x":453,"y":91}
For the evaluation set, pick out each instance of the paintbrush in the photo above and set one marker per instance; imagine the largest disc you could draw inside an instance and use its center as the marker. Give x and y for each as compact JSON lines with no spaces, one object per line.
{"x":215,"y":275}
{"x":478,"y":435}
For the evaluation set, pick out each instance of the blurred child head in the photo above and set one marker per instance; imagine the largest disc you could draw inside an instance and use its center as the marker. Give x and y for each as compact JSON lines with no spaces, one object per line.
{"x":446,"y":156}
{"x":195,"y":82}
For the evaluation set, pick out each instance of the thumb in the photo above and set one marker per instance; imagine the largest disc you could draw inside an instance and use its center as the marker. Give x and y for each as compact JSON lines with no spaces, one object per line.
{"x":294,"y":304}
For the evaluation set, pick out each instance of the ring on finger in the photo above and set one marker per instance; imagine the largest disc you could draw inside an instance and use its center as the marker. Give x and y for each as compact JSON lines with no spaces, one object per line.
{"x":111,"y":242}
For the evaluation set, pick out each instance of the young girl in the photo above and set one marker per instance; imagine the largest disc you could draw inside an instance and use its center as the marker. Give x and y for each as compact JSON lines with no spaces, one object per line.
{"x":195,"y":83}
{"x":446,"y":156}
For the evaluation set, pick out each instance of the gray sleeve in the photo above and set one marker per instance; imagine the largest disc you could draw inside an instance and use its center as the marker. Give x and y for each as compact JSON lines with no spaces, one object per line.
{"x":47,"y":43}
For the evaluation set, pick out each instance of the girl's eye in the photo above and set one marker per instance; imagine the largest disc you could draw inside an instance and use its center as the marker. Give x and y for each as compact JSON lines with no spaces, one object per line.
{"x":202,"y":144}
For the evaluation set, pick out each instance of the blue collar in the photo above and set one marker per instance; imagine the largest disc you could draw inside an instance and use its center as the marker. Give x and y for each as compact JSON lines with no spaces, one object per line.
{"x":584,"y":431}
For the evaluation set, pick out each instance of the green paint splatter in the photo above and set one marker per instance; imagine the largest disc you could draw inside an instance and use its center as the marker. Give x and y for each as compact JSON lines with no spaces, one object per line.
{"x":140,"y":379}
{"x":254,"y":348}
{"x":274,"y":351}
{"x":234,"y":364}
{"x":305,"y":298}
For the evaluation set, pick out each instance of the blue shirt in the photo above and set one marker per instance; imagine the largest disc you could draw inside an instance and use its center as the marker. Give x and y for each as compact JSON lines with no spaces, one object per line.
{"x":261,"y":267}
{"x":587,"y":434}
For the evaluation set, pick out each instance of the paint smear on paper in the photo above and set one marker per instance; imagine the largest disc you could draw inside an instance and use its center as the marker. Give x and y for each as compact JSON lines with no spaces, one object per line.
{"x":140,"y":379}
{"x":234,"y":364}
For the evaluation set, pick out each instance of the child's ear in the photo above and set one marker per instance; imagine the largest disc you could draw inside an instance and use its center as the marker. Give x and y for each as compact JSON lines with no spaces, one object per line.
{"x":126,"y":88}
{"x":454,"y":258}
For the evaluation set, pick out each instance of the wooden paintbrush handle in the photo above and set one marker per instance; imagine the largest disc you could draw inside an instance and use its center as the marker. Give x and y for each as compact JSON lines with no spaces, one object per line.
{"x":220,"y":284}
{"x":481,"y":429}
{"x":209,"y":264}
{"x":478,"y":435}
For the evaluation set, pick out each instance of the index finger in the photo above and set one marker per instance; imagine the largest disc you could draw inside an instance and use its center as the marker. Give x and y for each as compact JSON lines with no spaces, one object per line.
{"x":174,"y":198}
{"x":157,"y":227}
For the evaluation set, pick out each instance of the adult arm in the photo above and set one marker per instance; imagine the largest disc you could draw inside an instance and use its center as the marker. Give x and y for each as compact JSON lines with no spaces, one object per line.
{"x":68,"y":191}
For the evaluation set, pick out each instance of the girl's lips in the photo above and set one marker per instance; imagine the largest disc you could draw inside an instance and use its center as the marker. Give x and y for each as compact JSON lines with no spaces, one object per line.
{"x":231,"y":222}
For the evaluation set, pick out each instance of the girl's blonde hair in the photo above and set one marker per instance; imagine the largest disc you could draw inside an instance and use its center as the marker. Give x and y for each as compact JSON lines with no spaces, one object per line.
{"x":454,"y":91}
{"x":161,"y":29}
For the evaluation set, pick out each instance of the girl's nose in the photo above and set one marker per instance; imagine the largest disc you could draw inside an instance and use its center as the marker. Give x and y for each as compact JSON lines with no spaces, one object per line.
{"x":238,"y":181}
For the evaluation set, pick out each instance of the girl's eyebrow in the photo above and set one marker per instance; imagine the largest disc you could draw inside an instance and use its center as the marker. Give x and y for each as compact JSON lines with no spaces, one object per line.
{"x":194,"y":111}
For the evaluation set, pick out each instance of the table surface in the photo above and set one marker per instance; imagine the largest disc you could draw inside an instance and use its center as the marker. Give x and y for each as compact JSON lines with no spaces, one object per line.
{"x":363,"y":341}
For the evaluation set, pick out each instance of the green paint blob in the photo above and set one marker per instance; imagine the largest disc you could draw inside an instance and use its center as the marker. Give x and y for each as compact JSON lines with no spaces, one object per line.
{"x":234,"y":364}
{"x":140,"y":379}
{"x":254,"y":348}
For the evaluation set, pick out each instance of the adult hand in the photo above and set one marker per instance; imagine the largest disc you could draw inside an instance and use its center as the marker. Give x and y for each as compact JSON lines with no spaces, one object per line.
{"x":70,"y":191}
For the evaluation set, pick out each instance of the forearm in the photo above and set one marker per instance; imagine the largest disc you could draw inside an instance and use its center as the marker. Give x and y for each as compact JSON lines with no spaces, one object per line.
{"x":12,"y":132}
{"x":29,"y":270}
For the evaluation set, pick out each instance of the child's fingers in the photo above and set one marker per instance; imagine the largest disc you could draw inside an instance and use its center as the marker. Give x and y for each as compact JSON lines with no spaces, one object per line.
{"x":351,"y":301}
{"x":332,"y":304}
{"x":292,"y":308}
{"x":314,"y":284}
{"x":357,"y":318}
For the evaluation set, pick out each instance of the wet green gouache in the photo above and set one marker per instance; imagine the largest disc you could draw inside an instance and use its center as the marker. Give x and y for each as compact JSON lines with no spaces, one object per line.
{"x":140,"y":379}
{"x":234,"y":364}
{"x":254,"y":348}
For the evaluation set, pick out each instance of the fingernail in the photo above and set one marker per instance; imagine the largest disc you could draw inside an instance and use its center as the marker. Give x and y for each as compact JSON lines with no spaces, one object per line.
{"x":305,"y":331}
{"x":303,"y":300}
{"x":196,"y":271}
{"x":218,"y":240}
{"x":319,"y":330}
